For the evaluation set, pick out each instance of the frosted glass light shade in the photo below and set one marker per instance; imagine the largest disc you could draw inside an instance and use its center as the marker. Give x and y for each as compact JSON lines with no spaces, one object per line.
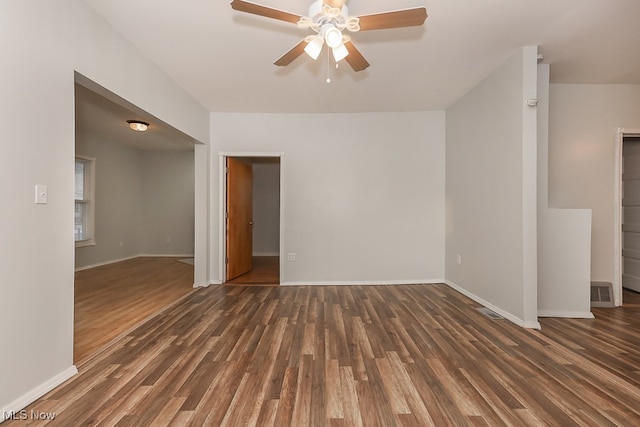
{"x":137,"y":125}
{"x":333,"y":37}
{"x":340,"y":52}
{"x":314,"y":47}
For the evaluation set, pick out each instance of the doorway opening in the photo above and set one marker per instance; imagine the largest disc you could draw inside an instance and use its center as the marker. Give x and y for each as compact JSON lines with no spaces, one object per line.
{"x":129,"y":261}
{"x":251,"y":218}
{"x":627,"y":220}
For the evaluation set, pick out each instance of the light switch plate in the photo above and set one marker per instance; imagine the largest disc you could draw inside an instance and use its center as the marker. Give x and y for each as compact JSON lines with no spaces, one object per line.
{"x":41,"y":194}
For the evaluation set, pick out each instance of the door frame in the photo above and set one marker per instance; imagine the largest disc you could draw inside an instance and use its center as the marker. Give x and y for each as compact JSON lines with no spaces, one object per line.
{"x":621,"y":133}
{"x":222,"y":203}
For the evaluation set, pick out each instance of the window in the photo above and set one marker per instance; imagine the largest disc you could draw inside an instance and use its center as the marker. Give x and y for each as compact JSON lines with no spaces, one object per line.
{"x":84,"y":199}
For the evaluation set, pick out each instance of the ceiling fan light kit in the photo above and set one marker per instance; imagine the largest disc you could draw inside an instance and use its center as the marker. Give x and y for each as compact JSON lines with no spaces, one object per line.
{"x":314,"y":47}
{"x":329,"y":19}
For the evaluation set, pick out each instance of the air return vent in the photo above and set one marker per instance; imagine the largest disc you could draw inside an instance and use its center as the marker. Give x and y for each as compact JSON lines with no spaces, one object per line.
{"x":601,"y":294}
{"x":489,"y":313}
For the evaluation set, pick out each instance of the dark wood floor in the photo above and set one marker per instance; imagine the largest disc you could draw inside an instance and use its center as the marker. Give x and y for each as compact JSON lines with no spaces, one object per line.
{"x":414,"y":355}
{"x":111,"y":299}
{"x":265,"y":272}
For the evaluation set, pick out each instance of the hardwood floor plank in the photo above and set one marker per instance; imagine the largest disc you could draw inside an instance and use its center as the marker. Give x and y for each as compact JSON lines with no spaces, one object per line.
{"x":287,"y":397}
{"x":111,"y":299}
{"x":333,"y":396}
{"x":351,"y":402}
{"x":414,"y":355}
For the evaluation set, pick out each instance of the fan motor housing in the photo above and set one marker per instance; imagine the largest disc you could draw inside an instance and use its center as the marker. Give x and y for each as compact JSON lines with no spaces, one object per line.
{"x":317,"y":15}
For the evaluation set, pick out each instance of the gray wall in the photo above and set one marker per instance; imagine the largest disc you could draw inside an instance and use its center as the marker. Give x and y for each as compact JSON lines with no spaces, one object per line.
{"x":491,"y":190}
{"x":167,"y":203}
{"x":582,"y":143}
{"x":144,"y":202}
{"x":118,"y":191}
{"x":266,"y":207}
{"x":43,"y":44}
{"x":564,"y":235}
{"x":363,"y":193}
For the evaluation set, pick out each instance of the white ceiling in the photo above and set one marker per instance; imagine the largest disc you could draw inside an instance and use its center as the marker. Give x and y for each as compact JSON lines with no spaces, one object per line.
{"x":224,"y":58}
{"x":102,"y":114}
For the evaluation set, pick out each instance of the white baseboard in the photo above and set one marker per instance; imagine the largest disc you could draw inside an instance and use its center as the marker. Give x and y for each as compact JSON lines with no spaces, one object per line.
{"x":362,"y":282}
{"x":531,"y":325}
{"x":206,"y":285}
{"x":266,"y":254}
{"x":165,"y":255}
{"x":113,"y":261}
{"x":100,"y":264}
{"x":36,"y":393}
{"x":566,"y":314}
{"x":501,"y":312}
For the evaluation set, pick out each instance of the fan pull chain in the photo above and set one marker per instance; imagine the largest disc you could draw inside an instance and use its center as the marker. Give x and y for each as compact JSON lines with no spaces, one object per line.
{"x":328,"y":66}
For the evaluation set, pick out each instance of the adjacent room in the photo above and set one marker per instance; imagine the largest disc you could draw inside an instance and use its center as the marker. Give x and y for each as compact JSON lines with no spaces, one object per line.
{"x":134,"y":227}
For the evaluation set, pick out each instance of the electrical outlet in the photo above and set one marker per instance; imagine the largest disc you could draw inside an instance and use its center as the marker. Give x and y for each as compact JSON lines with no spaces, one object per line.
{"x":459,"y":259}
{"x":168,"y":239}
{"x":291,"y":256}
{"x":121,"y":243}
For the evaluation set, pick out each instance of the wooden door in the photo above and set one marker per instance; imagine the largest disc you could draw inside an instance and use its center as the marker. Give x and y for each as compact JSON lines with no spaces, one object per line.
{"x":239,"y":217}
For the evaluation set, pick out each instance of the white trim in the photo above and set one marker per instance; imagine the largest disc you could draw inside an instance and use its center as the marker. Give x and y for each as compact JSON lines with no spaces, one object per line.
{"x":531,"y":324}
{"x":89,"y":203}
{"x":222,"y":247}
{"x":282,"y":222}
{"x":36,"y":393}
{"x":567,"y":314}
{"x":113,"y":261}
{"x":501,"y":312}
{"x":266,"y":254}
{"x":85,"y":243}
{"x":363,"y":282}
{"x":206,"y":285}
{"x":165,"y":255}
{"x":100,"y":264}
{"x":617,"y":209}
{"x":201,"y":285}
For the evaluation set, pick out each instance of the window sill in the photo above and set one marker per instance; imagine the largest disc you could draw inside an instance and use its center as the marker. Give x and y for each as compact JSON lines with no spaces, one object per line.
{"x":84,"y":243}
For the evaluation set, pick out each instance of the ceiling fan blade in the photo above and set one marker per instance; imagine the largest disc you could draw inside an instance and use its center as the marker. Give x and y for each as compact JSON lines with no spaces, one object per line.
{"x":288,"y":57}
{"x":334,"y":3}
{"x":355,"y":58}
{"x":396,"y":19}
{"x":257,"y":9}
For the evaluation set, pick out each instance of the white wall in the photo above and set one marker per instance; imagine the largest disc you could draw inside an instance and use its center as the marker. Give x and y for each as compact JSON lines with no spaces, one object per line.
{"x":363,"y":193}
{"x":582,"y":132}
{"x":491,"y":191}
{"x":564,"y":237}
{"x":266,"y":207}
{"x":118,"y":190}
{"x":42,"y":44}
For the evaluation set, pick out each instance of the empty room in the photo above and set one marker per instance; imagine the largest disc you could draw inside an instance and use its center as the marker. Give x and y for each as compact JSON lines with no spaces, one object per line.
{"x":443,"y":192}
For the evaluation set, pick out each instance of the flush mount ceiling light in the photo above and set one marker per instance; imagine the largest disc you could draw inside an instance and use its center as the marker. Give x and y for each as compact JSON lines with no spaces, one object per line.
{"x":137,"y":125}
{"x":329,"y":19}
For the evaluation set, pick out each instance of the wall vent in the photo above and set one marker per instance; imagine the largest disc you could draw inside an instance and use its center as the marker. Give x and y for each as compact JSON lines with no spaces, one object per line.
{"x":489,"y":313}
{"x":601,"y":294}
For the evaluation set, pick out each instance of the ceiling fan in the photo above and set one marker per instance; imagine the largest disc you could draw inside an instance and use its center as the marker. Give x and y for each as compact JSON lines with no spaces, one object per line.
{"x":329,"y":19}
